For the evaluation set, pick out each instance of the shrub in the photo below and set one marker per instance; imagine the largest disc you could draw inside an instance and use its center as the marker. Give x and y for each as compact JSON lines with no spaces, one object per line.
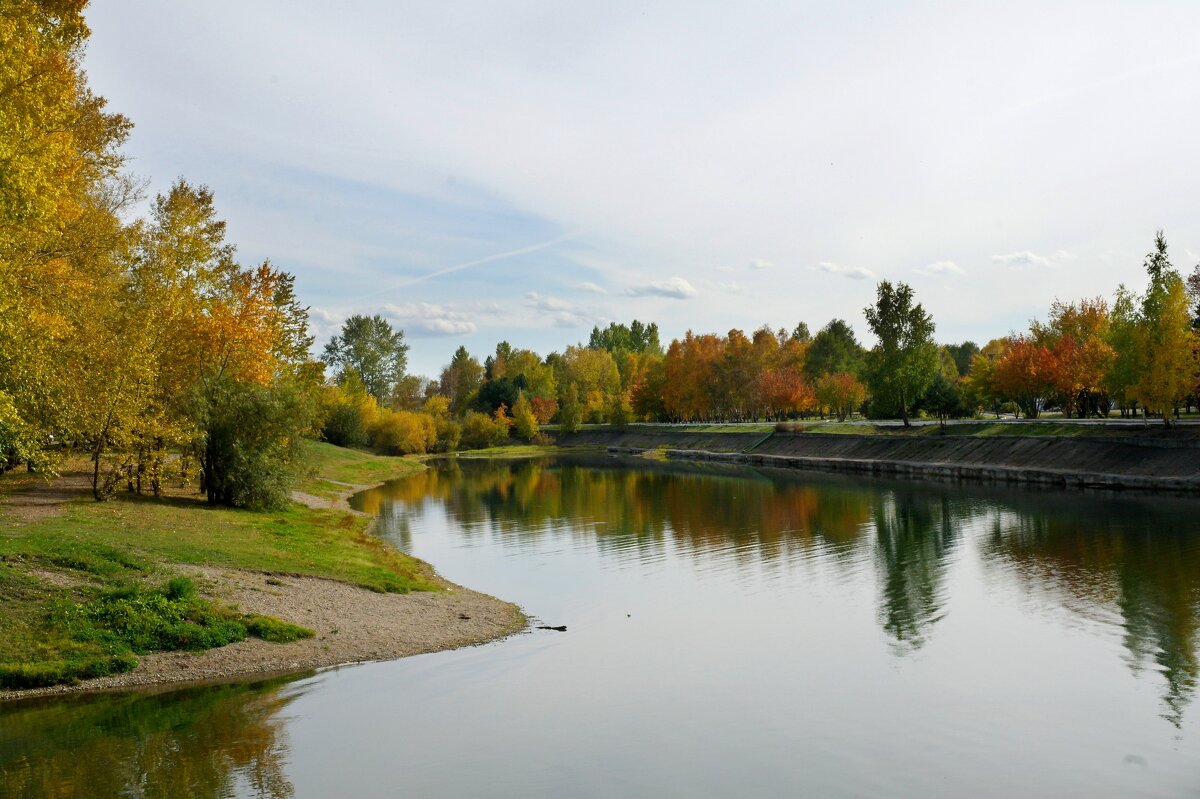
{"x":449,"y":432}
{"x":345,"y":426}
{"x":404,"y":433}
{"x":480,"y":431}
{"x":275,"y":630}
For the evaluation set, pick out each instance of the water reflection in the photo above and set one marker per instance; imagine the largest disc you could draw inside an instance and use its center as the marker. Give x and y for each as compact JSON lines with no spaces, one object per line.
{"x":915,"y":534}
{"x":204,"y":742}
{"x":815,"y":634}
{"x":1135,"y":560}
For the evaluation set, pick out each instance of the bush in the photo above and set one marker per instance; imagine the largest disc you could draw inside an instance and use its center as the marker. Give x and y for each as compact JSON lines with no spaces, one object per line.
{"x":404,"y":433}
{"x":480,"y":431}
{"x":345,"y":425}
{"x":449,"y":432}
{"x":252,"y":435}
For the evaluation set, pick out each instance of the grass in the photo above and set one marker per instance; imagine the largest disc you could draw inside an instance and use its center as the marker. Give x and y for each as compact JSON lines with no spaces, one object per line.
{"x":334,"y":469}
{"x":77,"y":640}
{"x":76,"y":595}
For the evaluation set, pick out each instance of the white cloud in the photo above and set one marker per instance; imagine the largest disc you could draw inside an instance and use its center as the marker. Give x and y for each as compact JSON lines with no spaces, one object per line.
{"x":591,"y":287}
{"x":940,"y":268}
{"x":760,"y":263}
{"x":544,"y":303}
{"x":324,"y":315}
{"x":721,"y":287}
{"x":1026,"y":258}
{"x":419,"y":319}
{"x":852,"y":272}
{"x":561,"y":312}
{"x":675,"y":287}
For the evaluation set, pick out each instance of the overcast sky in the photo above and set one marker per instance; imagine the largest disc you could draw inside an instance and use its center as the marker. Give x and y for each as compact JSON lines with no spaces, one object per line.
{"x":479,"y":171}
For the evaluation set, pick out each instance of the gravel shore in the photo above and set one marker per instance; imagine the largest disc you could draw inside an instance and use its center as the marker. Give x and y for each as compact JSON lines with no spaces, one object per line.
{"x":352,"y":625}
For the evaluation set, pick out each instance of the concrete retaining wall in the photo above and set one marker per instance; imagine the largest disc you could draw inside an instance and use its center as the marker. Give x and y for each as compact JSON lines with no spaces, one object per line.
{"x":1152,"y":463}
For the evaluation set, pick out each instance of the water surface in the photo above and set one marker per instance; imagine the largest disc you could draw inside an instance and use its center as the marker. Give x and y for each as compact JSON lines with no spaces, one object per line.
{"x":731,"y":631}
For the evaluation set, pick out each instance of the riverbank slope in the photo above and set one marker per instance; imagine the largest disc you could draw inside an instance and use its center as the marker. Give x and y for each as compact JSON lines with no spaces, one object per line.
{"x":1116,"y":458}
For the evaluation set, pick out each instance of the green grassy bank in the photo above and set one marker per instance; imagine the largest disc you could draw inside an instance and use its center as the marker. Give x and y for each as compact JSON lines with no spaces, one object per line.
{"x":85,"y":587}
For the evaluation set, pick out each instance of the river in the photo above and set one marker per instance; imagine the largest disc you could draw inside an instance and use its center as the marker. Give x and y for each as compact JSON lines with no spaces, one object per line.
{"x":730,"y":631}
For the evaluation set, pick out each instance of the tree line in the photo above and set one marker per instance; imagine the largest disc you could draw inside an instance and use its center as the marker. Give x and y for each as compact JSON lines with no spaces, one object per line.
{"x":1142,"y":356}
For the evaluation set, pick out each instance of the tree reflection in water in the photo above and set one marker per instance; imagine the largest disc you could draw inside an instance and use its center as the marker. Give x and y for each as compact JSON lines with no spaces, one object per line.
{"x":915,"y":537}
{"x":1136,"y":559}
{"x":203,"y":742}
{"x":1139,"y":556}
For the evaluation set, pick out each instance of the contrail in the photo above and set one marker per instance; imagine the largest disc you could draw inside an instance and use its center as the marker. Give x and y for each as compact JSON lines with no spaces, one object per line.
{"x":1145,"y":69}
{"x":487,"y":259}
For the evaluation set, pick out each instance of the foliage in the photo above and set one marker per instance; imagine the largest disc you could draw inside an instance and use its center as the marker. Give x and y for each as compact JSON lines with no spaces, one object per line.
{"x":634,"y":337}
{"x":460,"y":380}
{"x":251,"y":450}
{"x":525,"y":423}
{"x":404,"y":433}
{"x":835,"y":350}
{"x":570,"y":413}
{"x":369,"y":346}
{"x":905,"y":361}
{"x":480,"y":431}
{"x":841,"y":394}
{"x":1164,"y":338}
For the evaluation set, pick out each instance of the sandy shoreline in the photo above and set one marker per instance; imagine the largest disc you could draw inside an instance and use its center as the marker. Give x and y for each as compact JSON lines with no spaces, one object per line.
{"x":352,"y":625}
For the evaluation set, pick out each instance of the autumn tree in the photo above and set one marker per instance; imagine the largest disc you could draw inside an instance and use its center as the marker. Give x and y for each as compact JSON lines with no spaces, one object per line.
{"x":1164,"y":338}
{"x":1025,"y":374}
{"x":61,"y":195}
{"x":981,"y":377}
{"x":840,"y":393}
{"x":525,"y":423}
{"x":905,"y":360}
{"x":1077,"y":336}
{"x":594,"y":374}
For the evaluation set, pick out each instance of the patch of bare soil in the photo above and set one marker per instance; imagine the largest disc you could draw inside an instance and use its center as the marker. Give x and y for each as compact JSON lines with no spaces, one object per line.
{"x":40,"y":499}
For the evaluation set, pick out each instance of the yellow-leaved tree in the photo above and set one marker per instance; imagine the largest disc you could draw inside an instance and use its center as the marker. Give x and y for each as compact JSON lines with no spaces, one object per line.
{"x":1163,"y":338}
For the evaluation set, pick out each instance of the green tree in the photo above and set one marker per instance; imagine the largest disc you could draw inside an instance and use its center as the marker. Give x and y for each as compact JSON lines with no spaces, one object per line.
{"x":834,"y":350}
{"x":905,"y":361}
{"x":570,"y":413}
{"x":369,"y":346}
{"x":460,"y":380}
{"x":634,"y":337}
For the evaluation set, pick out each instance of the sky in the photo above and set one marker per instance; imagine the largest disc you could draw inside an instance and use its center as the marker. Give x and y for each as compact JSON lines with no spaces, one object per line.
{"x":527,"y":170}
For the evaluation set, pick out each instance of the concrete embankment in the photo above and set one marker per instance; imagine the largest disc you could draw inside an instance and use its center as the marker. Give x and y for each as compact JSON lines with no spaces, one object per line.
{"x":1142,"y":462}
